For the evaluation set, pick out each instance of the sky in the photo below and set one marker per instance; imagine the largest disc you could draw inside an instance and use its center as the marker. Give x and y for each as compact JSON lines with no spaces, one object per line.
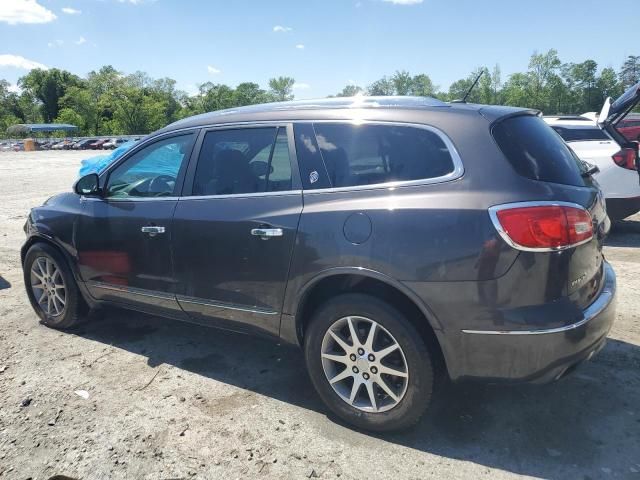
{"x":324,"y":44}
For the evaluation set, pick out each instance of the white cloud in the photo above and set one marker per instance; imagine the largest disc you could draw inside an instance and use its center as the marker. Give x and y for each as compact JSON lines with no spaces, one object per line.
{"x":71,"y":11}
{"x":13,"y":88}
{"x":16,"y":61}
{"x":404,"y":2}
{"x":280,"y":28}
{"x":136,"y":2}
{"x":213,"y":70}
{"x":301,"y":86}
{"x":80,"y":41}
{"x":300,"y":46}
{"x":14,"y":12}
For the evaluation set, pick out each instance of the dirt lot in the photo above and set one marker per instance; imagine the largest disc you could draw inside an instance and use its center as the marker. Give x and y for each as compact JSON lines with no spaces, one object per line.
{"x":172,"y":400}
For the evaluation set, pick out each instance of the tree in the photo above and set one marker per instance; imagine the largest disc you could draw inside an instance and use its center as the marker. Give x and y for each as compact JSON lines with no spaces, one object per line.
{"x":402,"y":82}
{"x":249,"y":93}
{"x":383,"y":87}
{"x":282,"y":88}
{"x":350,"y":91}
{"x":630,"y":71}
{"x":422,"y":86}
{"x":49,"y":86}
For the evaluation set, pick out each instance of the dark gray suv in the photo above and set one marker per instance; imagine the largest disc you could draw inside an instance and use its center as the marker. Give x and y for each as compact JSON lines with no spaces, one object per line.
{"x":394,"y":239}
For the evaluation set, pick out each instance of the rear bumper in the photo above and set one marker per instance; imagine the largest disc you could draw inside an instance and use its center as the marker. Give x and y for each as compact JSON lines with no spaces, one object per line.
{"x":539,"y":355}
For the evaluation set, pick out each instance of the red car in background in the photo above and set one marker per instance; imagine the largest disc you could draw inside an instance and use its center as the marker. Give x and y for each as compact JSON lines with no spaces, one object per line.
{"x":630,"y":128}
{"x":97,"y":145}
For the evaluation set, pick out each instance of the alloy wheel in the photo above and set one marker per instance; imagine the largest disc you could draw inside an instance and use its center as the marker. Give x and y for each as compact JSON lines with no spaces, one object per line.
{"x":47,"y":285}
{"x":364,"y":364}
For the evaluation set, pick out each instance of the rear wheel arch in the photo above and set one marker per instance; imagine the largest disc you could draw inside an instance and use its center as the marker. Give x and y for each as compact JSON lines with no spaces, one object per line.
{"x":372,"y":283}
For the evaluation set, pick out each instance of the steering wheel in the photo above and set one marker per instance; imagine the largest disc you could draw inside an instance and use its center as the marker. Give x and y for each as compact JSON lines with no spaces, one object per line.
{"x":160,"y":185}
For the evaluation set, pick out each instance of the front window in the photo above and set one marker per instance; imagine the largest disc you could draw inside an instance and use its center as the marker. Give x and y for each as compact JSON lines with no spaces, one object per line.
{"x":152,"y":171}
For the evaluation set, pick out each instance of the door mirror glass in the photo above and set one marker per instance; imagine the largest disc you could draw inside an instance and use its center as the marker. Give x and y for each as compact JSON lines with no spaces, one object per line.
{"x":88,"y":185}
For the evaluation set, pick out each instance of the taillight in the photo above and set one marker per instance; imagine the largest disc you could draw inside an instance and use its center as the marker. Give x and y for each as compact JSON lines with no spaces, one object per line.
{"x":625,"y":158}
{"x":542,"y":226}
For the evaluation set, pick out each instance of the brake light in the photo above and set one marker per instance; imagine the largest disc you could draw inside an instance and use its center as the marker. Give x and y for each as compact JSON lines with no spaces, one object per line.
{"x":542,"y":226}
{"x":625,"y":158}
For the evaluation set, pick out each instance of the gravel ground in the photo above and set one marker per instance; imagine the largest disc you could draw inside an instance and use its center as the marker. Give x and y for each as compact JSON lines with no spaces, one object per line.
{"x":172,"y":400}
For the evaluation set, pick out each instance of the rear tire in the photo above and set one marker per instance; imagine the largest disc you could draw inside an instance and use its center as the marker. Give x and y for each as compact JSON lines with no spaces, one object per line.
{"x":406,"y":371}
{"x":51,"y":288}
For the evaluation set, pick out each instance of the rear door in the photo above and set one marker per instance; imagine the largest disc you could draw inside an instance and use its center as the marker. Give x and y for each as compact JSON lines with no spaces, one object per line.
{"x":236,"y":226}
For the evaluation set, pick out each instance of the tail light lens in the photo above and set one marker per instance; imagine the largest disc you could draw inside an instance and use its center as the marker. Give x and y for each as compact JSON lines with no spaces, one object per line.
{"x":625,"y":158}
{"x":542,"y":226}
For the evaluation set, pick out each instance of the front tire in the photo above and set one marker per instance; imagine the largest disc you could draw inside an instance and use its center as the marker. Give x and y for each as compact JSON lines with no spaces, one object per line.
{"x":368,"y":363}
{"x":51,"y":288}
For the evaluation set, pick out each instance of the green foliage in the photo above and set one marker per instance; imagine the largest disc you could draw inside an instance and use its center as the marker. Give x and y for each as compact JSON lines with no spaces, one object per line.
{"x":48,"y":86}
{"x":109,"y":102}
{"x":282,"y":88}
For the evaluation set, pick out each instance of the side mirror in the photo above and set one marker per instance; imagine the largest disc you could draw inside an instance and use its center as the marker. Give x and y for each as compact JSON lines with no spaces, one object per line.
{"x":88,"y":185}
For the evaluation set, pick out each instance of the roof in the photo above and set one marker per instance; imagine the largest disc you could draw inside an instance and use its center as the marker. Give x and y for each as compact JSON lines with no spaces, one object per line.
{"x":40,"y":127}
{"x":335,"y":108}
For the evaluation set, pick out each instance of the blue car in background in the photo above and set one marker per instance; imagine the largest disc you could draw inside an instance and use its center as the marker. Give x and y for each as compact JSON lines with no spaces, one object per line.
{"x":98,"y":163}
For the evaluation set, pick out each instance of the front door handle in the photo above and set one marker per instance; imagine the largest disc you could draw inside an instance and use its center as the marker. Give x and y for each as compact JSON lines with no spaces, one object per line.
{"x":266,"y":233}
{"x":152,"y":230}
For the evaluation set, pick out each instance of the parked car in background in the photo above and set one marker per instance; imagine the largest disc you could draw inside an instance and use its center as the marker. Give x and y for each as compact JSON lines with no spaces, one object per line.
{"x":392,"y":238}
{"x":630,"y":127}
{"x":114,"y":143}
{"x":83,"y":144}
{"x":618,"y":180}
{"x":98,"y":144}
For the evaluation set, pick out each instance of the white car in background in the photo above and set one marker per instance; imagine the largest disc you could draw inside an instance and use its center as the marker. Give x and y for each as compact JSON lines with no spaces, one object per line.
{"x":618,"y":177}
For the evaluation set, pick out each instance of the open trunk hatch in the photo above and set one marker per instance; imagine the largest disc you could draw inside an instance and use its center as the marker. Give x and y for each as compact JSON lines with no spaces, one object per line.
{"x":613,"y":112}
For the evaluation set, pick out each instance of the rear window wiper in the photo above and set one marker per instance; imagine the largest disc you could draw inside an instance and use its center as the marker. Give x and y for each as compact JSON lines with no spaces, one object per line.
{"x":589,"y":169}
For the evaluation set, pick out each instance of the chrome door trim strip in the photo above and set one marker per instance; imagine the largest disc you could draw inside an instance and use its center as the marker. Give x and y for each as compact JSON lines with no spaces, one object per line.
{"x":132,"y":290}
{"x":211,"y":303}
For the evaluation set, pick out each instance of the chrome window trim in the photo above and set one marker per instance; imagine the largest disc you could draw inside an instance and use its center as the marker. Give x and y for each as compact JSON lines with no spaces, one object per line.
{"x":283,"y":193}
{"x":493,"y":213}
{"x":458,"y":167}
{"x":128,"y":199}
{"x":592,"y":311}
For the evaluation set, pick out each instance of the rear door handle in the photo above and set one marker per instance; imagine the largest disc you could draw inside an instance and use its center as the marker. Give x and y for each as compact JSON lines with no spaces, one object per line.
{"x":152,"y":230}
{"x":266,"y":233}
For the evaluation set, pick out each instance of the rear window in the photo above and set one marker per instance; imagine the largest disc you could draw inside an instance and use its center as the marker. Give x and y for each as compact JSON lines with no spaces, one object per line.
{"x":356,"y":155}
{"x":581,"y":134}
{"x":536,"y":152}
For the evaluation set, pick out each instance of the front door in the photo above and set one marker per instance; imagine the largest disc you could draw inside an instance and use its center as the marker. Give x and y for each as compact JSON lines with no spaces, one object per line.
{"x":234,"y":235}
{"x":124,"y":237}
